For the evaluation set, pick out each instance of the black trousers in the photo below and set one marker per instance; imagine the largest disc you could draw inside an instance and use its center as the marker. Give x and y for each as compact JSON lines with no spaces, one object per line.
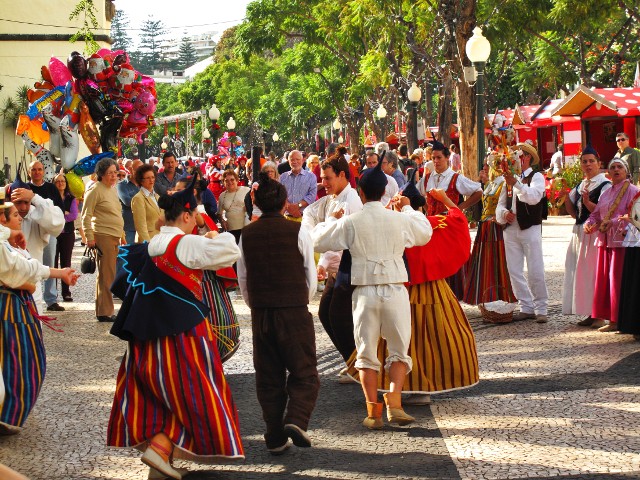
{"x":284,"y":341}
{"x":335,"y":312}
{"x":64,"y":251}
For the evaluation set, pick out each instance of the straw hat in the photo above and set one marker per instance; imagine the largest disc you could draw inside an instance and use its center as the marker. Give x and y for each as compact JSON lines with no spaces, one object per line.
{"x":531,"y":150}
{"x":4,"y":204}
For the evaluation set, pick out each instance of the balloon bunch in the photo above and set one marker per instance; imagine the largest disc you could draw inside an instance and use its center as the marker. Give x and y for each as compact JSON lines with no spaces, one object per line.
{"x":100,"y":99}
{"x":230,"y":142}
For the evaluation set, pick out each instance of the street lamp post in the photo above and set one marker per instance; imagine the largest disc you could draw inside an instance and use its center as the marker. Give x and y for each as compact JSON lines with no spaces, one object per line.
{"x":231,"y":124}
{"x":214,"y":115}
{"x":381,"y":112}
{"x":478,"y":50}
{"x":337,"y":126}
{"x":414,"y":94}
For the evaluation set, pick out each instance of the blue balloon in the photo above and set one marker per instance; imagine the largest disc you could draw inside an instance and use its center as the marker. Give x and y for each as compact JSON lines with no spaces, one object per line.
{"x":87,"y":165}
{"x":55,"y":96}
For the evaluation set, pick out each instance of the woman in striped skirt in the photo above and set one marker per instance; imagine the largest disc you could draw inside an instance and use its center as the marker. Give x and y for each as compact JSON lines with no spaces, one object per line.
{"x":172,"y":399}
{"x":22,"y":354}
{"x":442,"y":347}
{"x":487,"y":277}
{"x":215,"y":287}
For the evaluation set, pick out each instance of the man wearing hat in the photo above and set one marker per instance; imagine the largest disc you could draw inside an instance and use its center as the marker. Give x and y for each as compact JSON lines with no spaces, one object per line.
{"x":520,"y":209}
{"x":380,"y":300}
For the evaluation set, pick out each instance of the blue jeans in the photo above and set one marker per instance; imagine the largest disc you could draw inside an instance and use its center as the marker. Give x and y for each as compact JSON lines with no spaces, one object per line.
{"x":50,"y":291}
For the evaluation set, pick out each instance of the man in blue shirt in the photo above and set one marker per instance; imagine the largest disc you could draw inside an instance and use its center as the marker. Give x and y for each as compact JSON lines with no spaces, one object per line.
{"x":301,"y":186}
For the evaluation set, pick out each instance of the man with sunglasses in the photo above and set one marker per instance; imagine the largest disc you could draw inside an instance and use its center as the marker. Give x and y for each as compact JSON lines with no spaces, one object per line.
{"x":629,"y":155}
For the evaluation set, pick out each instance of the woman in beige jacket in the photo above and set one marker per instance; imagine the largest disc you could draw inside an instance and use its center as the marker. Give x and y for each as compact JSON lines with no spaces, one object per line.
{"x":144,"y":205}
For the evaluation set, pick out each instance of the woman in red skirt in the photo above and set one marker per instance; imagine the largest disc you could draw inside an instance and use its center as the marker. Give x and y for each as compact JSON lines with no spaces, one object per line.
{"x":172,"y":399}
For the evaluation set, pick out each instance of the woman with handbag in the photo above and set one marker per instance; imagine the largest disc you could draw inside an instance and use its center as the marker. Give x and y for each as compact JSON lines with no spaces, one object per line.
{"x":22,"y":350}
{"x":64,"y":246}
{"x":104,"y":227}
{"x":165,"y":324}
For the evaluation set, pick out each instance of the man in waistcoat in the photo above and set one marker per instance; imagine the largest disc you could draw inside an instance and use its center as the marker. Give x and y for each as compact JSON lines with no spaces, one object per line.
{"x":520,"y":209}
{"x":380,"y":300}
{"x":277,"y":277}
{"x":455,"y":186}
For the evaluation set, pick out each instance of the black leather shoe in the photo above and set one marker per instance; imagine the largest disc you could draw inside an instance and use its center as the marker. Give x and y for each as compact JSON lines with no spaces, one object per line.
{"x":67,"y":299}
{"x":54,"y":307}
{"x":106,"y":318}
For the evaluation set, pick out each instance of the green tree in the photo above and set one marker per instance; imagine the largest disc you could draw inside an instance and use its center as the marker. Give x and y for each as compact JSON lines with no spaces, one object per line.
{"x":187,"y":54}
{"x":86,"y":10}
{"x":119,"y":36}
{"x":150,"y":38}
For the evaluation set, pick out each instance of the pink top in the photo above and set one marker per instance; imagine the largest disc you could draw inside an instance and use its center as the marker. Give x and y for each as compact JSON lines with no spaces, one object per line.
{"x":615,"y":235}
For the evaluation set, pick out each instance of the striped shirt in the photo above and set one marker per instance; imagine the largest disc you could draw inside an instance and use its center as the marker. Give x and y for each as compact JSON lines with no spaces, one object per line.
{"x":302,"y":186}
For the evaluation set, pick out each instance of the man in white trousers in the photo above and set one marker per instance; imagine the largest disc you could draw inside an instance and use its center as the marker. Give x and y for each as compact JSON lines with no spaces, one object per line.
{"x":521,"y":209}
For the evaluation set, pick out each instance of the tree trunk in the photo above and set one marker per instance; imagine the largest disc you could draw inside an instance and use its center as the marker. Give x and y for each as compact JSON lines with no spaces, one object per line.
{"x":467,"y":129}
{"x":460,"y":19}
{"x":445,"y":115}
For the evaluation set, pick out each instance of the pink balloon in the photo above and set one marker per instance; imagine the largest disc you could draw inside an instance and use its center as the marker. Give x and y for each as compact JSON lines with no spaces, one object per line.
{"x":60,"y":74}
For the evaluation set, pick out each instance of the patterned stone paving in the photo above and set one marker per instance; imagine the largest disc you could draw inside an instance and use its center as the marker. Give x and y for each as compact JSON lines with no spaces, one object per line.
{"x":554,"y":401}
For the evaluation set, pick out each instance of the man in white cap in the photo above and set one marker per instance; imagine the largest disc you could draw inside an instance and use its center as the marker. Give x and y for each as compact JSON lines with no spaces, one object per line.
{"x":520,"y":209}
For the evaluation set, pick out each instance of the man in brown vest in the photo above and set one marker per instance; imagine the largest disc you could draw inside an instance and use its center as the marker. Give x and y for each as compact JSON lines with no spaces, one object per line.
{"x":277,"y":277}
{"x":521,"y":208}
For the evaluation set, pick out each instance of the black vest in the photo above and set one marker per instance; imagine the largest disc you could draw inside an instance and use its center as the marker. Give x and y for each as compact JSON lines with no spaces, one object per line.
{"x":528,"y":215}
{"x":275,"y":267}
{"x":583,"y":213}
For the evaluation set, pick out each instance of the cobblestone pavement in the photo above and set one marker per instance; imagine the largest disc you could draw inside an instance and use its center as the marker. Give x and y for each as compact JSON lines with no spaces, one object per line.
{"x":554,"y":401}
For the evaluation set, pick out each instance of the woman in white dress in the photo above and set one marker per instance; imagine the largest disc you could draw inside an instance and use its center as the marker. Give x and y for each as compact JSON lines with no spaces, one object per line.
{"x":582,"y":254}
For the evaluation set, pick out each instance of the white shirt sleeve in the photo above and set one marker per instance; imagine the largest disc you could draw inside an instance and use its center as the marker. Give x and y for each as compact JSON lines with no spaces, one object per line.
{"x":530,"y":194}
{"x":332,"y":235}
{"x":242,"y":276}
{"x":208,"y":253}
{"x":305,"y":245}
{"x":466,"y":186}
{"x":49,"y":218}
{"x":419,"y":230}
{"x":15,"y":270}
{"x":501,"y":208}
{"x":311,"y":214}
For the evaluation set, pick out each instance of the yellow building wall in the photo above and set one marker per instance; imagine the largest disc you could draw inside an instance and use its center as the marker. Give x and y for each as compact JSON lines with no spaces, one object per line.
{"x":21,"y":58}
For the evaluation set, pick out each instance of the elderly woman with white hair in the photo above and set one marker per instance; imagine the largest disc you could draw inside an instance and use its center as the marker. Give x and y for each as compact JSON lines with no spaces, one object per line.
{"x":104,"y":227}
{"x":608,"y":223}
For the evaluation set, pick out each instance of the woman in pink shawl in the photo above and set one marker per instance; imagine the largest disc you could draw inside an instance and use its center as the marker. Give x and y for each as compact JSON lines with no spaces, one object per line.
{"x":606,"y":221}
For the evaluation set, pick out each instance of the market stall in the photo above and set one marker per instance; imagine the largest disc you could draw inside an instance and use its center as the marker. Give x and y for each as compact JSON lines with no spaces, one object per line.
{"x":603,"y":112}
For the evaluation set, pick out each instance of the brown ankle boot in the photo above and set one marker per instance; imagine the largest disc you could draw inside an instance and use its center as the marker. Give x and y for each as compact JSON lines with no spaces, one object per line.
{"x":374,"y":416}
{"x":395,"y":413}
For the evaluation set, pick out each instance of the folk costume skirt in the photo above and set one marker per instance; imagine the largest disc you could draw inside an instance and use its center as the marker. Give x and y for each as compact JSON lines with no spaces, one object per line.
{"x":443,"y":347}
{"x":175,"y":385}
{"x":628,"y":319}
{"x":223,"y":317}
{"x":579,"y":273}
{"x":487,"y":277}
{"x":608,"y":284}
{"x":22,"y":357}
